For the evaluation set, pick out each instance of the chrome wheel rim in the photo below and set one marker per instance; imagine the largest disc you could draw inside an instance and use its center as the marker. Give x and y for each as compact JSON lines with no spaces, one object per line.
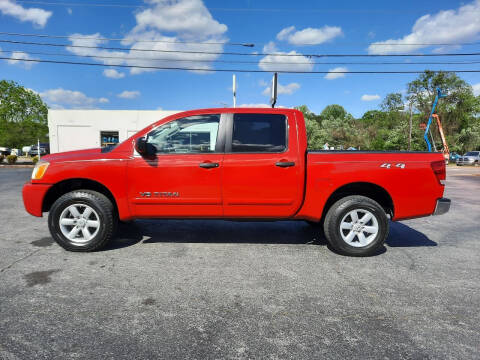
{"x":79,"y":223}
{"x":359,"y":228}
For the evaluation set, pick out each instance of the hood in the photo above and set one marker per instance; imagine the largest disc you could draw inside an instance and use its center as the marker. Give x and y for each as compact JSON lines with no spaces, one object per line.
{"x":87,"y":154}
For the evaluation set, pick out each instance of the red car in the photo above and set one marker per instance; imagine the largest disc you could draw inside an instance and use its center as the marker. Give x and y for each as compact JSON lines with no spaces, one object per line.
{"x":234,"y":164}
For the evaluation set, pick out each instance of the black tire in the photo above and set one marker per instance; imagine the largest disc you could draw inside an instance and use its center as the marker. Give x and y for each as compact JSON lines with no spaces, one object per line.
{"x":339,"y":211}
{"x":100,"y":204}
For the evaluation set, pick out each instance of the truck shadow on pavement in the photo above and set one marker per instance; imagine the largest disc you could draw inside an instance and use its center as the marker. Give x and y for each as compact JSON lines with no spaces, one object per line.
{"x":402,"y":235}
{"x":218,"y":231}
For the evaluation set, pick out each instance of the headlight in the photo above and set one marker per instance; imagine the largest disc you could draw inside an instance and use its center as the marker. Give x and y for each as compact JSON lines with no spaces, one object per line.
{"x":39,"y":170}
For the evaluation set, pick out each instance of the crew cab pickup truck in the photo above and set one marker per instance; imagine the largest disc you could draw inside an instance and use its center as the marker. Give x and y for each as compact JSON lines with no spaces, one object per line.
{"x":238,"y":163}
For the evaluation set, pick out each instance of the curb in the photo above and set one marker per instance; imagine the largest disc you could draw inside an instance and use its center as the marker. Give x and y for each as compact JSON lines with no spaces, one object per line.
{"x":16,"y":166}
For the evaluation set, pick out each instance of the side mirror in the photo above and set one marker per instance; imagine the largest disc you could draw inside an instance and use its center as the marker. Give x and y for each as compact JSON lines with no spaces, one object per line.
{"x":143,"y":148}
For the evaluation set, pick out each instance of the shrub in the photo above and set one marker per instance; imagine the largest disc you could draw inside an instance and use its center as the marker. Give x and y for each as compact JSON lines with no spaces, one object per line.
{"x":35,"y":159}
{"x":1,"y":158}
{"x":12,"y":159}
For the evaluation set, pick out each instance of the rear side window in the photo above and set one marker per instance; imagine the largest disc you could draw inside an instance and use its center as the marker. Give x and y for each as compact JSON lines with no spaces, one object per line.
{"x":259,"y":133}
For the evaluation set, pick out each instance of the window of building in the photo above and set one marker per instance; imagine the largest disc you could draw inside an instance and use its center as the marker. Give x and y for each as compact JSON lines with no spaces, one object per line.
{"x":194,"y":134}
{"x":108,"y":138}
{"x":259,"y":133}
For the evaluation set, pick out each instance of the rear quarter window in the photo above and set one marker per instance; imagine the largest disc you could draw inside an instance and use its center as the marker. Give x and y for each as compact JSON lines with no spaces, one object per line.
{"x":259,"y":133}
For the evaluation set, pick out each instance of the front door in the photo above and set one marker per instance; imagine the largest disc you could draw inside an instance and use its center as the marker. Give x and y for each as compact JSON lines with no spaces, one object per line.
{"x":263,"y":172}
{"x":184,"y":178}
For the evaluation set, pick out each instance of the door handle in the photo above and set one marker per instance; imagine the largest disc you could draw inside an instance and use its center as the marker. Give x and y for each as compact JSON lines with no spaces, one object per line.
{"x":285,"y":163}
{"x":208,"y":165}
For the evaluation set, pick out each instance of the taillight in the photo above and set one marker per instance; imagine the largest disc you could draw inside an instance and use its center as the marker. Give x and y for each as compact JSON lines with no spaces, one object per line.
{"x":439,"y":170}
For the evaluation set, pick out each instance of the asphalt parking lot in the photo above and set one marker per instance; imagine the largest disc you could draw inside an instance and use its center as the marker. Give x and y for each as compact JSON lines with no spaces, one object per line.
{"x":216,"y":290}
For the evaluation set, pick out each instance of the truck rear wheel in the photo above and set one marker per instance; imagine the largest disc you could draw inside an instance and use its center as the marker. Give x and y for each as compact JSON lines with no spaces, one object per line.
{"x":82,"y":220}
{"x":356,"y":226}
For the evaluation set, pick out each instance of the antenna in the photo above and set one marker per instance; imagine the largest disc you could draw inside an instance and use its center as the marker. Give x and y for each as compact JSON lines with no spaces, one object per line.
{"x":234,"y":89}
{"x":273,"y":98}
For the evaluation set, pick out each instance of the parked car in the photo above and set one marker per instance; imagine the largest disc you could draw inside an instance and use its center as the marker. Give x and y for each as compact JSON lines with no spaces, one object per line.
{"x":240,"y":163}
{"x":454,"y":156}
{"x":470,"y":158}
{"x":4,"y":151}
{"x":17,"y":152}
{"x":44,"y":149}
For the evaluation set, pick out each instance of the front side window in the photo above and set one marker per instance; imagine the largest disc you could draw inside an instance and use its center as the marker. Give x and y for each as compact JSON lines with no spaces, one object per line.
{"x":259,"y":133}
{"x":193,"y":134}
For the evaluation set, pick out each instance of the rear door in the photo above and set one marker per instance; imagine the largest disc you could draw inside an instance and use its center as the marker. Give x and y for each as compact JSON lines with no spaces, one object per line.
{"x":184,"y":178}
{"x":262,"y":171}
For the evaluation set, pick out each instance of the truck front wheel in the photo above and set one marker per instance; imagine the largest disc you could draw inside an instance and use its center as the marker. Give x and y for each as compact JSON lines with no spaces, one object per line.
{"x":356,"y":226}
{"x":82,"y":220}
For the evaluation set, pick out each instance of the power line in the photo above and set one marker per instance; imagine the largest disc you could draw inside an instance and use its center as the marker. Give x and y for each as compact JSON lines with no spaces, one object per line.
{"x":231,"y":70}
{"x":243,"y":62}
{"x":117,"y":39}
{"x":325,"y":10}
{"x":237,"y":53}
{"x":217,"y":43}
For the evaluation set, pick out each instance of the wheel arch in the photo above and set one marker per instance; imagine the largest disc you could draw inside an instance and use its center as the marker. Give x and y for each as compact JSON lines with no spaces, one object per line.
{"x":68,"y":185}
{"x":367,"y":189}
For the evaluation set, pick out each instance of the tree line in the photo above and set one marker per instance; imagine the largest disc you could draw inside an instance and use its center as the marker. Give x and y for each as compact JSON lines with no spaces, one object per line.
{"x":396,"y":125}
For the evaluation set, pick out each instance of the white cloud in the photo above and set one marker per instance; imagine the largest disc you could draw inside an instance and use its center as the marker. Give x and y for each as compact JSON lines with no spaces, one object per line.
{"x":278,"y":62}
{"x":368,"y":97}
{"x":113,"y":74}
{"x":336,"y":73}
{"x":21,"y":55}
{"x":169,"y":22}
{"x":309,"y":36}
{"x":476,"y":89}
{"x":61,"y":98}
{"x":282,"y":89}
{"x":448,"y":26}
{"x":129,"y":94}
{"x":38,"y":17}
{"x":187,"y":17}
{"x":261,"y":105}
{"x":255,"y":106}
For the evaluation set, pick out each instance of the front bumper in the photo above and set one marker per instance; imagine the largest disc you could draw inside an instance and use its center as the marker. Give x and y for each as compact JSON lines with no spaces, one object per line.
{"x":33,"y":195}
{"x":443,"y":205}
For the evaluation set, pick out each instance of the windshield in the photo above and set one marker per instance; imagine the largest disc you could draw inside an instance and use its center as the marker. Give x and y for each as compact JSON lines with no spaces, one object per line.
{"x":472,"y":153}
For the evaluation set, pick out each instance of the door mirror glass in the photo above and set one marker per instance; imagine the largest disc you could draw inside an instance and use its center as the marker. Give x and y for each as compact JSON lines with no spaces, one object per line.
{"x":144,"y":148}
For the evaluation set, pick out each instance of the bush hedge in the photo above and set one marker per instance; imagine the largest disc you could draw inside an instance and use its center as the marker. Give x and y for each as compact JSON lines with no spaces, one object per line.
{"x":12,"y":159}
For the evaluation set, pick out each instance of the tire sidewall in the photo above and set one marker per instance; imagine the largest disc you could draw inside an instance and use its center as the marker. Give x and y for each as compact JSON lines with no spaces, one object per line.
{"x":339,"y":213}
{"x":54,"y":217}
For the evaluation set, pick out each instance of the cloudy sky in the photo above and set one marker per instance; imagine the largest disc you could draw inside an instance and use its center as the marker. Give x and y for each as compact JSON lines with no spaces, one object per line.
{"x":193,"y":34}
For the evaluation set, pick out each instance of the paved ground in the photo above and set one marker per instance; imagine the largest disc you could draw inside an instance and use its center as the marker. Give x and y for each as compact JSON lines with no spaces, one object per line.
{"x":197,"y":289}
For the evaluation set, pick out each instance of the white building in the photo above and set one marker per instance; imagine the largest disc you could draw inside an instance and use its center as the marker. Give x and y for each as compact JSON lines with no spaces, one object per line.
{"x":83,"y":129}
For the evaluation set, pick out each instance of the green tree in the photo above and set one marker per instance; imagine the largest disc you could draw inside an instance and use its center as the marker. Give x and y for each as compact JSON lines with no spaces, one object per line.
{"x":23,"y":116}
{"x":314,"y":139}
{"x":458,"y":111}
{"x":392,"y":103}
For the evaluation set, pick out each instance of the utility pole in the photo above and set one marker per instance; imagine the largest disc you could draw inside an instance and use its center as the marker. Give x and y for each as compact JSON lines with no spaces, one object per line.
{"x":410,"y":129}
{"x":234,"y":89}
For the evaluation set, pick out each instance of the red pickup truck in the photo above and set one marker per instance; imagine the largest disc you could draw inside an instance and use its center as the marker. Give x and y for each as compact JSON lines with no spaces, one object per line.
{"x":231,"y":164}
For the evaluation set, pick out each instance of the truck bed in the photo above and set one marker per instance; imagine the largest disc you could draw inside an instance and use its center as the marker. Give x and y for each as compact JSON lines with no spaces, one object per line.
{"x":405,"y":175}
